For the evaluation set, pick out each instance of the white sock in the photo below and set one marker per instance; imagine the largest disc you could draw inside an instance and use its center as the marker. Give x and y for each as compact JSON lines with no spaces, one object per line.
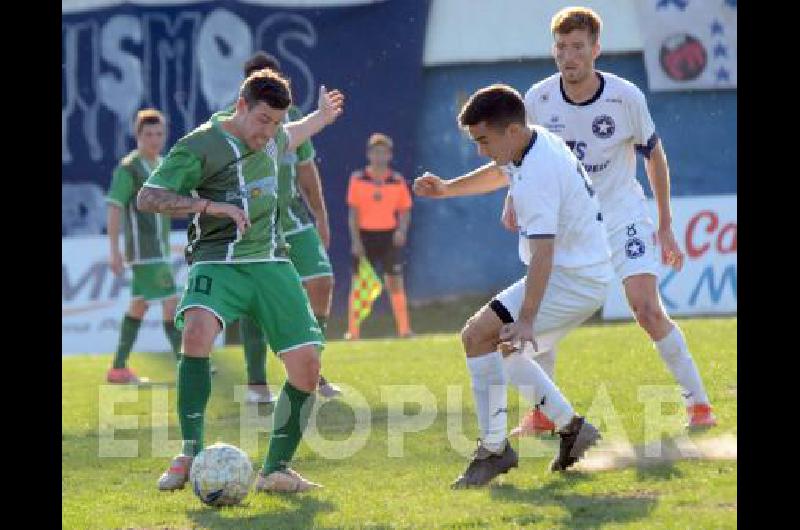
{"x":538,"y":389}
{"x":547,"y":361}
{"x":675,"y":353}
{"x":489,"y":391}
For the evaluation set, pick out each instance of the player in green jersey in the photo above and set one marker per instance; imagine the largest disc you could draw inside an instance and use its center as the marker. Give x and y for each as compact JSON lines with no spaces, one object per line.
{"x":225,"y":173}
{"x":146,"y":243}
{"x":307,"y":249}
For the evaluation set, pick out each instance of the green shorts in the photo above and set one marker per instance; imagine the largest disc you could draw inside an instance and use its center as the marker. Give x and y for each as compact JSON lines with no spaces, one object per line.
{"x":270,"y":293}
{"x":152,"y":281}
{"x":308,"y":254}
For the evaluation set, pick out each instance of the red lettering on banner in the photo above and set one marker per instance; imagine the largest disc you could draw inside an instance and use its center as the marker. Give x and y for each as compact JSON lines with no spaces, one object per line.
{"x":730,"y":248}
{"x":695,"y":251}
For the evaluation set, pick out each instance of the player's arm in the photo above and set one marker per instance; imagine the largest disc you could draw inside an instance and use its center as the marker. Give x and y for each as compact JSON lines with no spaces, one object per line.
{"x":648,"y":144}
{"x":311,"y":188}
{"x":485,"y":179}
{"x":403,"y":216}
{"x":658,"y":174}
{"x":401,"y":232}
{"x":114,"y":214}
{"x":356,"y":247}
{"x":119,"y":195}
{"x":330,"y":106}
{"x":538,"y":275}
{"x":181,"y":170}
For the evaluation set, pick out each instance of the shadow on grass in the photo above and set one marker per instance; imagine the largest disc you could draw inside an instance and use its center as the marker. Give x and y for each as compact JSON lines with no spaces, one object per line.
{"x":585,"y":511}
{"x":300,"y":514}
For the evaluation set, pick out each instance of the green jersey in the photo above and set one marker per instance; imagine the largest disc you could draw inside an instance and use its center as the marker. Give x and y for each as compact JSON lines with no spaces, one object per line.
{"x":297,"y":216}
{"x":294,"y":214}
{"x":146,"y":234}
{"x":212,"y":164}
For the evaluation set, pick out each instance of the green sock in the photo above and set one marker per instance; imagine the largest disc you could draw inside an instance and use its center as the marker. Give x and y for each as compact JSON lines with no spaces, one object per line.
{"x":127,"y":336}
{"x":322,"y":320}
{"x":255,"y":351}
{"x":174,"y":337}
{"x":292,"y":417}
{"x":194,"y":387}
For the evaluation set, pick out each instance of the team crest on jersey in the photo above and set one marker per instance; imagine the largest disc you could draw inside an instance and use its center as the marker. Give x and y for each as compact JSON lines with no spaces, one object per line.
{"x":544,"y":97}
{"x":603,"y":126}
{"x":634,"y":248}
{"x":254,"y":190}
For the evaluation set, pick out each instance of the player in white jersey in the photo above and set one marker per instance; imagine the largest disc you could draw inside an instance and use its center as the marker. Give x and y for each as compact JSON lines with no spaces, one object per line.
{"x":562,"y":241}
{"x":604,"y":119}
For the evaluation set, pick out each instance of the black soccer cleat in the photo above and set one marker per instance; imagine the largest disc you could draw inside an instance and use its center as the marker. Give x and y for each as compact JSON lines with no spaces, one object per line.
{"x":576,"y":438}
{"x":486,"y":465}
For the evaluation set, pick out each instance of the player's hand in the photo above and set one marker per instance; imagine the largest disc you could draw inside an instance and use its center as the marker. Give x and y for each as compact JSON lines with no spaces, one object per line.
{"x":324,"y":230}
{"x":429,"y":185}
{"x":514,"y":336}
{"x":117,"y":265}
{"x":330,"y":104}
{"x":357,"y":248}
{"x":509,"y":217}
{"x":222,"y":209}
{"x":399,"y":238}
{"x":671,"y":253}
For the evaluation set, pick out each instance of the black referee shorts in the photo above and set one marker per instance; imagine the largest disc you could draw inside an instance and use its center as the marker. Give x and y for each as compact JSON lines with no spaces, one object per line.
{"x":381,"y":252}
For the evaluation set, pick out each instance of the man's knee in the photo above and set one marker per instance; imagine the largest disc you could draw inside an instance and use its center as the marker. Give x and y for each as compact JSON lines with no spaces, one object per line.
{"x":394,"y":282}
{"x":649,"y":314}
{"x":137,"y":308}
{"x":303,"y":367}
{"x":472,"y":337}
{"x":319,"y":288}
{"x":198,"y":334}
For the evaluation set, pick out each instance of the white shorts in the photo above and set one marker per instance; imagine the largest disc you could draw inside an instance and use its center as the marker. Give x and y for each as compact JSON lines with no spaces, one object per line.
{"x":568,"y":301}
{"x":633,"y":248}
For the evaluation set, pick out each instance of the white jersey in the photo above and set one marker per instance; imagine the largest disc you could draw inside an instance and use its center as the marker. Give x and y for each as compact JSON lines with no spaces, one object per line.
{"x":553,"y":198}
{"x":605,"y":134}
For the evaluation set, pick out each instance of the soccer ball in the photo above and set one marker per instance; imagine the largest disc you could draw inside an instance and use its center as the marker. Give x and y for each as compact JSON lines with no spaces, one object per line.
{"x":221,"y":475}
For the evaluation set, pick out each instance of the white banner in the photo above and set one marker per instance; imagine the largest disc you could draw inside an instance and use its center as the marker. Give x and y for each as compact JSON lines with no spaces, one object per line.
{"x":689,"y":44}
{"x":705,"y":228}
{"x":94,"y":300}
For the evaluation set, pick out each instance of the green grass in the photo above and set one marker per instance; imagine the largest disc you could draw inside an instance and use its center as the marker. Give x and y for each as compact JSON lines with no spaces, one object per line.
{"x":372,"y":489}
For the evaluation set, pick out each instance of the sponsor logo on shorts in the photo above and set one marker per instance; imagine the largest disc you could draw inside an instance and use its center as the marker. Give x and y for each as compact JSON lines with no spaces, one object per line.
{"x":634,"y":248}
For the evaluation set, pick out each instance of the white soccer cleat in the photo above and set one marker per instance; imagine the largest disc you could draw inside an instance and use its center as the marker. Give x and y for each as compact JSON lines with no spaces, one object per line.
{"x":327,"y":389}
{"x":284,"y":481}
{"x":177,"y":475}
{"x":259,"y":394}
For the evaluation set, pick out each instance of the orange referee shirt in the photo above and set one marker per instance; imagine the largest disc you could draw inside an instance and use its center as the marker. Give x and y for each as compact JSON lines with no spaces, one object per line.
{"x":378,"y":199}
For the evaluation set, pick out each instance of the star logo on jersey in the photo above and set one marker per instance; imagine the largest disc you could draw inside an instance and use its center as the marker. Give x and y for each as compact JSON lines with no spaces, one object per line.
{"x":634,"y":248}
{"x":603,"y":126}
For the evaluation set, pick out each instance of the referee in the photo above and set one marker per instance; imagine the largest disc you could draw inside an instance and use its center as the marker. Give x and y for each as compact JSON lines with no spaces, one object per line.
{"x":379,"y":215}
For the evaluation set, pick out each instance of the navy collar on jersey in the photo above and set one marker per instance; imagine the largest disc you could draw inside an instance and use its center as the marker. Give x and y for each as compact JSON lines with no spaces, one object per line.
{"x":588,"y":101}
{"x":527,"y":149}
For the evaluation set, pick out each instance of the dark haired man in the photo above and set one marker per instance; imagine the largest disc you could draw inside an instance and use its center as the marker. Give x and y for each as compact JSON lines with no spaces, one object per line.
{"x":563,"y":244}
{"x":239,"y":263}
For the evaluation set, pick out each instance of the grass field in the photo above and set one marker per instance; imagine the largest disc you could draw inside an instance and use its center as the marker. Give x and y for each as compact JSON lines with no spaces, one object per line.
{"x":601,"y":368}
